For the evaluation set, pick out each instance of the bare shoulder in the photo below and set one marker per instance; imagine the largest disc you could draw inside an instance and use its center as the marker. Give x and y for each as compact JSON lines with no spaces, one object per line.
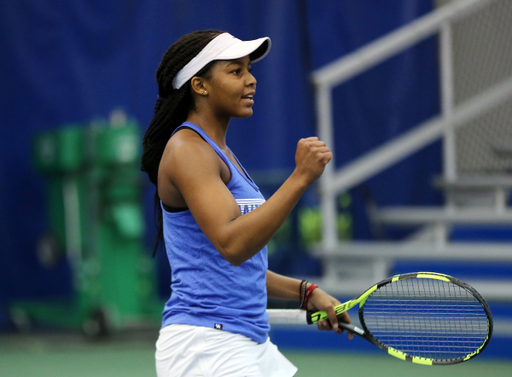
{"x":187,"y":152}
{"x":186,"y":138}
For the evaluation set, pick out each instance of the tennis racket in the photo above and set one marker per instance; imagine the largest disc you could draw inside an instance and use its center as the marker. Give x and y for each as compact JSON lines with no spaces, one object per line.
{"x":424,"y":317}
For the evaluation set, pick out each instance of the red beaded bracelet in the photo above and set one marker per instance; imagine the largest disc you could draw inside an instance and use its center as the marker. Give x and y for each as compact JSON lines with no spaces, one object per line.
{"x":310,"y":290}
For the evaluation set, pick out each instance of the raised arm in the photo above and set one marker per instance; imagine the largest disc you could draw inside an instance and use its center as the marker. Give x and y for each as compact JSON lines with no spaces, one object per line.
{"x":192,"y":168}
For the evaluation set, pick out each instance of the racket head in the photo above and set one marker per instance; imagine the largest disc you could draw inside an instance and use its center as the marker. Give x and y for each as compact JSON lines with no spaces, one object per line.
{"x":427,"y":318}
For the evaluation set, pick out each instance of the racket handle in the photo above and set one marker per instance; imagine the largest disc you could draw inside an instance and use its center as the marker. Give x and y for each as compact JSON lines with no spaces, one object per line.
{"x":350,"y":327}
{"x":346,"y":326}
{"x":300,"y":317}
{"x":313,"y":317}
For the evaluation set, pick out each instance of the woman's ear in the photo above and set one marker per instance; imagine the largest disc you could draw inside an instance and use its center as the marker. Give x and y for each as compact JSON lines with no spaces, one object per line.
{"x":198,"y":85}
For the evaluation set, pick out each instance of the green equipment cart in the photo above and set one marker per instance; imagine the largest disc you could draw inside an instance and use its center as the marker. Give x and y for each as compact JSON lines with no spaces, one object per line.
{"x":95,"y":220}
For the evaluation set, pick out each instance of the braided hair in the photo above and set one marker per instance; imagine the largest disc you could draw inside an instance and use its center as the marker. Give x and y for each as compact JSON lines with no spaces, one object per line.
{"x":171,"y":109}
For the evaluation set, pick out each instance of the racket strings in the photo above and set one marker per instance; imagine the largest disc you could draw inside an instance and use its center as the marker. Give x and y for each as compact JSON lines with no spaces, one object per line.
{"x":427,"y":318}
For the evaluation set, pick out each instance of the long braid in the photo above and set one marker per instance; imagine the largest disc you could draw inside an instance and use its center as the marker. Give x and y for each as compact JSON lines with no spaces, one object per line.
{"x":172,"y":110}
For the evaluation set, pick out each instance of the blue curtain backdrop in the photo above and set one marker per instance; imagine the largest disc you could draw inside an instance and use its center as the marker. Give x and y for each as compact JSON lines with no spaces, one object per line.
{"x":70,"y":61}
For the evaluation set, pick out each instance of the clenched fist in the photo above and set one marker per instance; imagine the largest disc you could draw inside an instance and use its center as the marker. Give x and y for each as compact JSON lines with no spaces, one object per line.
{"x":311,"y":157}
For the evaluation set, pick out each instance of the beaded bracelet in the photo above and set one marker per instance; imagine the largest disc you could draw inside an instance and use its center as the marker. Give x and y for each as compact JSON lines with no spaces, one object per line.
{"x":307,"y":295}
{"x":302,"y":292}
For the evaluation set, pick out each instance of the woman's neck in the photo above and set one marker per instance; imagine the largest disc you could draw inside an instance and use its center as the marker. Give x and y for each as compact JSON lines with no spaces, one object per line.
{"x":214,"y":128}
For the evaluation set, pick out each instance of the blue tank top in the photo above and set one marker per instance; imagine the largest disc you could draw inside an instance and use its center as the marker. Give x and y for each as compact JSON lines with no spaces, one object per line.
{"x":207,"y":290}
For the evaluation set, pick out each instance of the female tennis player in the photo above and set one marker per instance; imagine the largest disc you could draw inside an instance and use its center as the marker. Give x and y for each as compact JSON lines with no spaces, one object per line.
{"x":213,"y":219}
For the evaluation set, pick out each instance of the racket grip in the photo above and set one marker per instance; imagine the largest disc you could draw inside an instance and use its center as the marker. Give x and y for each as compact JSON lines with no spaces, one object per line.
{"x":313,"y":317}
{"x":350,"y":327}
{"x":346,"y":326}
{"x":308,"y":317}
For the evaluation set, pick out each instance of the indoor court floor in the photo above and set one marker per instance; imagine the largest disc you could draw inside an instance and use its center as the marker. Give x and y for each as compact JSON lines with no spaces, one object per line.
{"x":132,"y":354}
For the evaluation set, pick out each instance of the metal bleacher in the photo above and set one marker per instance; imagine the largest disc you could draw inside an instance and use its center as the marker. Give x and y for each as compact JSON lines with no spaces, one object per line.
{"x":475,"y":195}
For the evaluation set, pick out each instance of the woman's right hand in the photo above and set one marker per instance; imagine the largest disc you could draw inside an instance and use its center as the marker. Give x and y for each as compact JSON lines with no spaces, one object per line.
{"x":311,"y":157}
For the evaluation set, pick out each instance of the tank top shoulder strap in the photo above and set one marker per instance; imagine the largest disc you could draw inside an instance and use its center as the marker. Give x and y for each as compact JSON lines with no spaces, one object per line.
{"x":233,"y":169}
{"x":206,"y":138}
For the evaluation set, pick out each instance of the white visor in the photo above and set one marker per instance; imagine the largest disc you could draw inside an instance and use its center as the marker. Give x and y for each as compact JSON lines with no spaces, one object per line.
{"x":222,"y":47}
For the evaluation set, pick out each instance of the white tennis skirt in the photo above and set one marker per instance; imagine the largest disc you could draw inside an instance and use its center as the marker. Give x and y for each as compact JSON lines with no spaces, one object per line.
{"x":193,"y":351}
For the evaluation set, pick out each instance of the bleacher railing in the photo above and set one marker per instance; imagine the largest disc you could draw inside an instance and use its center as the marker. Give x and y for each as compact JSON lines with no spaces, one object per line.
{"x":443,"y":126}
